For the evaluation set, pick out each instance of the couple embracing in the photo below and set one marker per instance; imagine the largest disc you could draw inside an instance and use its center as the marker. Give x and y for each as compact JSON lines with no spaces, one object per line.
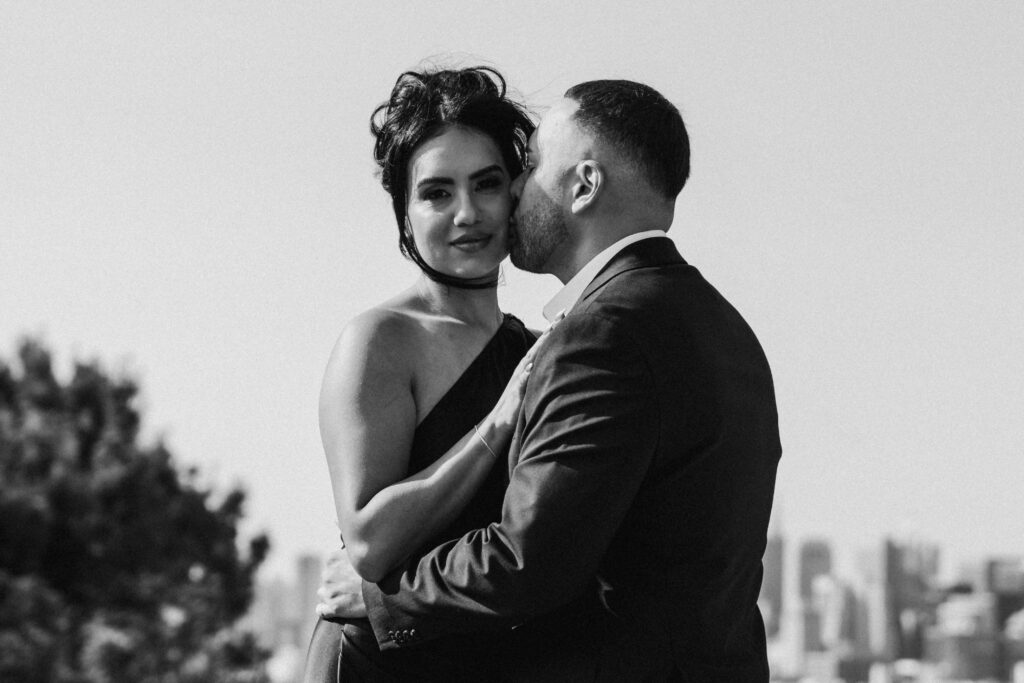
{"x":587,"y":504}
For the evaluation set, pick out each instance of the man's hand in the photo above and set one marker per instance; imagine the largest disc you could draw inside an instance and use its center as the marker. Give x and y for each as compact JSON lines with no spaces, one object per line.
{"x":340,"y":592}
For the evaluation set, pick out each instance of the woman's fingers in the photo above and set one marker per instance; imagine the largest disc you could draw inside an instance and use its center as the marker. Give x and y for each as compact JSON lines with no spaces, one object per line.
{"x":531,"y":353}
{"x":543,"y":335}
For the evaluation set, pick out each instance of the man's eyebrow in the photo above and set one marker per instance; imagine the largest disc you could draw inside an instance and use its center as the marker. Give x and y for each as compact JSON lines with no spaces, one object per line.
{"x":444,"y":180}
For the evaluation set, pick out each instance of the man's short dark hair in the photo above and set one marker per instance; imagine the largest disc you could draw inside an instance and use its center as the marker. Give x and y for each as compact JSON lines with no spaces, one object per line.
{"x":641,"y":125}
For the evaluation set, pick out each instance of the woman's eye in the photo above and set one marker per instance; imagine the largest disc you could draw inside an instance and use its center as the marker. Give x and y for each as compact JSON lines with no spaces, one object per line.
{"x":491,"y":183}
{"x":435,"y":195}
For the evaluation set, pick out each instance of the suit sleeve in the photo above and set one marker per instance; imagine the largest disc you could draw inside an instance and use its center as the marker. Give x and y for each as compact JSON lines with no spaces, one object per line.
{"x":588,"y":432}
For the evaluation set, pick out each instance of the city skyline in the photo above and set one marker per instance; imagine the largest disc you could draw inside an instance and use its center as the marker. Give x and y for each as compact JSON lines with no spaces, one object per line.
{"x":189,"y":195}
{"x":893,"y":609}
{"x":895,"y":612}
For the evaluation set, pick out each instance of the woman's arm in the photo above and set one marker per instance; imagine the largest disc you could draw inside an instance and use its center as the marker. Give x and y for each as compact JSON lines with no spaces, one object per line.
{"x":367,"y":420}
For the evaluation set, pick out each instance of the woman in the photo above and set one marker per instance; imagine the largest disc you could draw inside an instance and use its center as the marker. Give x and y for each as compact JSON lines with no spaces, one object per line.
{"x":421,"y":393}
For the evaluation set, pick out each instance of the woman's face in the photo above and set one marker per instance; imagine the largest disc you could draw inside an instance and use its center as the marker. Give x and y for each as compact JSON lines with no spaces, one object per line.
{"x":459,"y":203}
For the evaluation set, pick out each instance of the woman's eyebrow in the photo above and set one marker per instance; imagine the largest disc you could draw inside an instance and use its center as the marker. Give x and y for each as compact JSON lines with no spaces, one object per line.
{"x":434,"y":180}
{"x":486,"y":171}
{"x":444,"y":180}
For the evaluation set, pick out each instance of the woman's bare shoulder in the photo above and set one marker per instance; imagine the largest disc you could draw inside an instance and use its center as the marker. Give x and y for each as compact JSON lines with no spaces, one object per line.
{"x":383,"y":334}
{"x":382,"y":324}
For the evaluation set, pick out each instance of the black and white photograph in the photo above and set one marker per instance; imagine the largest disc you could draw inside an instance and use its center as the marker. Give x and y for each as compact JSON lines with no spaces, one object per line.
{"x":513,"y":341}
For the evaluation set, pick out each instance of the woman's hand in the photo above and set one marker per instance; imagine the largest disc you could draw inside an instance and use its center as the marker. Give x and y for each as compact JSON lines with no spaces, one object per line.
{"x":340,"y":592}
{"x":506,"y":411}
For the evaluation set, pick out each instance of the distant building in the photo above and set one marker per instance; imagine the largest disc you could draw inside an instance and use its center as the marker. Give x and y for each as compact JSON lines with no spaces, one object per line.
{"x":901,"y":596}
{"x":309,"y":569}
{"x":815,"y":563}
{"x":270,"y":615}
{"x":837,"y":604}
{"x":1004,"y":578}
{"x":771,"y":599}
{"x":964,"y":643}
{"x":815,"y":560}
{"x":1013,"y":643}
{"x":282,"y":616}
{"x":861,"y":625}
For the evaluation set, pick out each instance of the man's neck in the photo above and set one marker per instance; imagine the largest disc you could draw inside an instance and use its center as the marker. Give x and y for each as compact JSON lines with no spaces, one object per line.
{"x":574,"y":287}
{"x":594,"y":240}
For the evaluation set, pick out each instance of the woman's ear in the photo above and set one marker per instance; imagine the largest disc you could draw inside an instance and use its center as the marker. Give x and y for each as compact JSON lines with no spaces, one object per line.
{"x":588,"y":181}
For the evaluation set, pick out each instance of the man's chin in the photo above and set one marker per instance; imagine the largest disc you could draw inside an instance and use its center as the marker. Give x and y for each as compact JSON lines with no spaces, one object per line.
{"x":520,"y":261}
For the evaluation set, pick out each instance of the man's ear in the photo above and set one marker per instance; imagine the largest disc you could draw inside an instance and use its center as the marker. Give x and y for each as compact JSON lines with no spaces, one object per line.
{"x":588,"y":182}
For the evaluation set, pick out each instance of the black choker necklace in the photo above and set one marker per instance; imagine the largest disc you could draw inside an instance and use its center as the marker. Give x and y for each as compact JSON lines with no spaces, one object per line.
{"x":458,"y":282}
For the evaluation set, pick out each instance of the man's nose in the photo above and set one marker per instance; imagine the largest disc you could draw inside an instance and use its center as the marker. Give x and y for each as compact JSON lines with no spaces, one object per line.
{"x":466,"y":212}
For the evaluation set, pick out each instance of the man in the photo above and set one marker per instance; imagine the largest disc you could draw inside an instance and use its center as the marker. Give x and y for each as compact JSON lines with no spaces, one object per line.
{"x":643,"y":465}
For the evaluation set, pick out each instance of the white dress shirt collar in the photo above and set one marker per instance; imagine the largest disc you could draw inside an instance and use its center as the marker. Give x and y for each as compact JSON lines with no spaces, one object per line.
{"x":568,"y":295}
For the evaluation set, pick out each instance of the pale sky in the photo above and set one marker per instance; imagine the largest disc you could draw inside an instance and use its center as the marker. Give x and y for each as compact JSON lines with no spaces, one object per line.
{"x":187,"y":193}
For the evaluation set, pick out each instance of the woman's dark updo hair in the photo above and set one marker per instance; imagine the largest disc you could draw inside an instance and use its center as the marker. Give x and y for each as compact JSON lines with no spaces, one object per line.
{"x":424,"y":105}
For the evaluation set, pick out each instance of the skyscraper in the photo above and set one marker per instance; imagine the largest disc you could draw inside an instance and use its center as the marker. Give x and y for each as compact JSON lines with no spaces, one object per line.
{"x":900,"y":582}
{"x":307,"y":582}
{"x":815,"y":560}
{"x":964,"y":642}
{"x":1004,"y":578}
{"x":770,"y":601}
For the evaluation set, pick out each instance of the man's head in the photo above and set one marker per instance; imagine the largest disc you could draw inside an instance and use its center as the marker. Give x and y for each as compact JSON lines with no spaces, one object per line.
{"x":606,"y":161}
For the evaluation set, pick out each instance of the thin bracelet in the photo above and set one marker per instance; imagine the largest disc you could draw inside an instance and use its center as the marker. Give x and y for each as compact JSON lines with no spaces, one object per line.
{"x":476,"y":428}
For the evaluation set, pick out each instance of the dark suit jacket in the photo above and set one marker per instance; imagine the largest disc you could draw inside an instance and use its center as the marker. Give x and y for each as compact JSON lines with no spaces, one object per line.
{"x":642,"y":472}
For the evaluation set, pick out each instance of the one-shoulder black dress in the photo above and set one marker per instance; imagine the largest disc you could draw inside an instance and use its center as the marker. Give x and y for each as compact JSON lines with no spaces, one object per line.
{"x":347,"y":650}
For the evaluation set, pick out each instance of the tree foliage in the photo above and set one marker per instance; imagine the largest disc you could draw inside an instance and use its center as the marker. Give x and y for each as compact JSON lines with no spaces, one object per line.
{"x":115,"y":564}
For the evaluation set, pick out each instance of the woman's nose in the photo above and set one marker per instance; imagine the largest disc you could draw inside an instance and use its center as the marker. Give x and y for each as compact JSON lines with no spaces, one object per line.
{"x":466,"y":213}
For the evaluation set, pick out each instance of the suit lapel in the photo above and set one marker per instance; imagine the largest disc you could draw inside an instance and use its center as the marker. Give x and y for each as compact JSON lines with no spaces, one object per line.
{"x":647,"y":253}
{"x":652,"y":252}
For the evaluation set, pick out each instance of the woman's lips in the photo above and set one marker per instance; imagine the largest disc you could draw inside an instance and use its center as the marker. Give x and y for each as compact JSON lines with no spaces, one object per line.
{"x":471,"y":243}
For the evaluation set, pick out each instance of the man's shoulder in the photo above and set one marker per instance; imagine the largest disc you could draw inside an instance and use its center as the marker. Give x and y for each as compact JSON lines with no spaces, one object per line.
{"x":640,"y":291}
{"x":672,"y":314}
